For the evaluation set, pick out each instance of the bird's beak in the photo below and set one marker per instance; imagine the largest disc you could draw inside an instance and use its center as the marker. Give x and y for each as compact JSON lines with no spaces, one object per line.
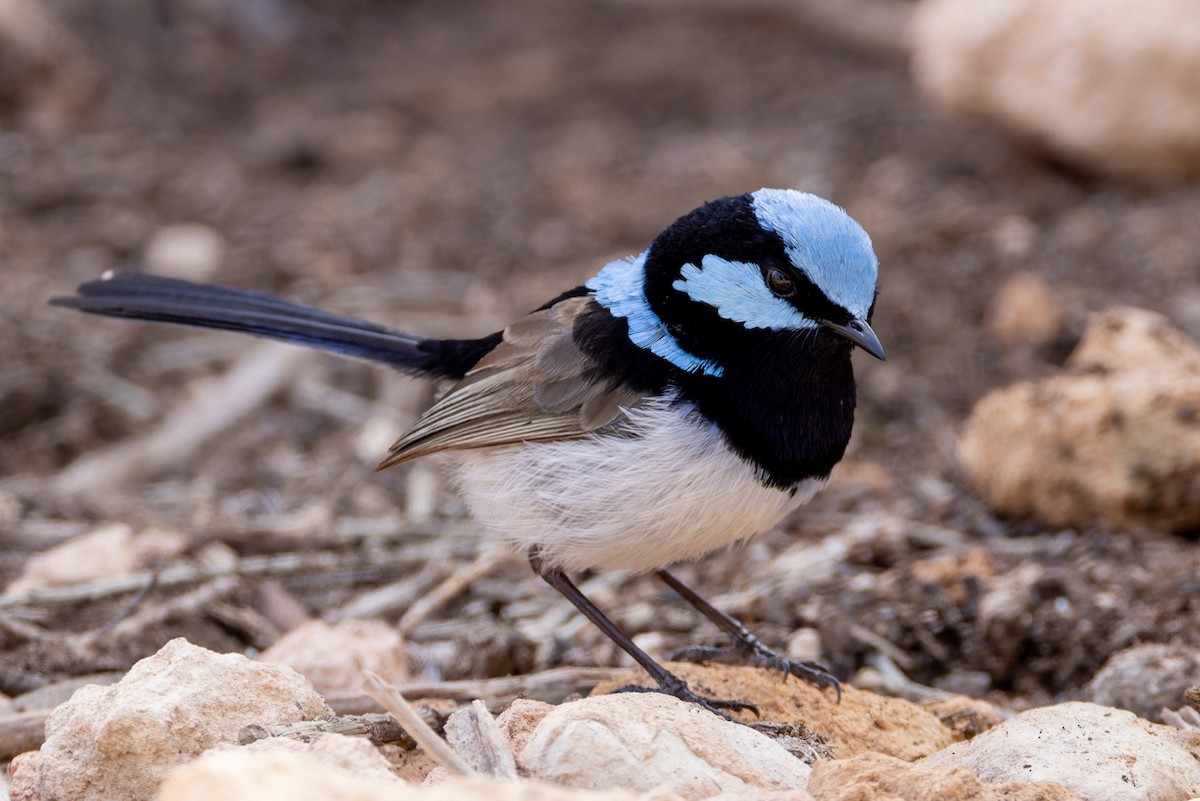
{"x":858,"y":332}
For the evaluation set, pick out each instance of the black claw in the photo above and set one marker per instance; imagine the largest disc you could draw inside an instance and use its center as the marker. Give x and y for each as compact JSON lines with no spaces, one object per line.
{"x":758,"y":655}
{"x":679,"y":689}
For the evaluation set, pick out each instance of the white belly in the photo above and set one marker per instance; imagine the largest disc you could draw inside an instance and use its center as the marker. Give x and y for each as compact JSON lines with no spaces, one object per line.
{"x":666,"y":488}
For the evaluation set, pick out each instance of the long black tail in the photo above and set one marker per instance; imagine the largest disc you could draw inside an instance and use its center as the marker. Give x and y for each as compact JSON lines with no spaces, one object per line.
{"x":141,"y":296}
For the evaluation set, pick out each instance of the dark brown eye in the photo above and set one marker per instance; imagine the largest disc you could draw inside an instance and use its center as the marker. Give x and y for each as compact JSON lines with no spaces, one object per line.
{"x":779,"y":283}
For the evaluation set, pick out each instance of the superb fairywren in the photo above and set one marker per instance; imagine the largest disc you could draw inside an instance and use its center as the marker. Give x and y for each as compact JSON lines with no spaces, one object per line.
{"x":678,"y":401}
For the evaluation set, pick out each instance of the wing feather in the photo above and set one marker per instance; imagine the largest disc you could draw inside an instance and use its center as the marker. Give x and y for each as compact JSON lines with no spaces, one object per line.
{"x":536,"y":385}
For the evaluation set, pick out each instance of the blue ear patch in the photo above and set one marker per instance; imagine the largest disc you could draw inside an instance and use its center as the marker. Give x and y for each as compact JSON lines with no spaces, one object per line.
{"x":737,"y":291}
{"x":620,"y":287}
{"x":825,"y":243}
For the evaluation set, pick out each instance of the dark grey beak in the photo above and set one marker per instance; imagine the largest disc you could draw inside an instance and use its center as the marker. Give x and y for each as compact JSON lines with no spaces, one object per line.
{"x":858,"y":332}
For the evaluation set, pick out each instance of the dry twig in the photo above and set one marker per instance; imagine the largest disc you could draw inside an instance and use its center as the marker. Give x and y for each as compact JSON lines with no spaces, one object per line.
{"x":380,"y":729}
{"x":552,"y":686}
{"x":392,"y":701}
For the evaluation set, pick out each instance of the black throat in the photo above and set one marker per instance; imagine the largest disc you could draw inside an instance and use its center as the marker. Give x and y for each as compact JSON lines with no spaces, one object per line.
{"x":786,"y":404}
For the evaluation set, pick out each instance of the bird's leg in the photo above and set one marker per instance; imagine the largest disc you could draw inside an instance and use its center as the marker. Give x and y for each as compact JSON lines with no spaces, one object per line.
{"x":745,"y":648}
{"x":667,"y":682}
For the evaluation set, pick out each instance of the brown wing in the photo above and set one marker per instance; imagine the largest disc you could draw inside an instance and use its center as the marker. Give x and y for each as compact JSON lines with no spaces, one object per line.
{"x":535,"y":385}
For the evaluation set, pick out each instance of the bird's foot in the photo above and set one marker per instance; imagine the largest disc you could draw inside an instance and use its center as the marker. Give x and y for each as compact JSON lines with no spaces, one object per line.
{"x":677,"y":687}
{"x":754,"y":653}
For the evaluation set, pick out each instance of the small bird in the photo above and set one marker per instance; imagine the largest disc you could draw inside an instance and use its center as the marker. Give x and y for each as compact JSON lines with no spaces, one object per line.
{"x":678,"y":401}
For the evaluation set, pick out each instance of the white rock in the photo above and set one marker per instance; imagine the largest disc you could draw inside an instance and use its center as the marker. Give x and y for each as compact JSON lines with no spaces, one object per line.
{"x":271,"y":773}
{"x":105,"y":552}
{"x":333,"y":657}
{"x":1105,"y":83}
{"x":1096,"y":752}
{"x":337,"y":751}
{"x":1116,"y":437}
{"x":638,"y":741}
{"x":246,"y":775}
{"x":118,"y":742}
{"x":189,"y":250}
{"x":1146,"y":679}
{"x":473,"y":734}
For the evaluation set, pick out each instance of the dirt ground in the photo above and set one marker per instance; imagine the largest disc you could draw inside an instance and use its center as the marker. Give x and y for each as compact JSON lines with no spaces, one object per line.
{"x":443,"y":167}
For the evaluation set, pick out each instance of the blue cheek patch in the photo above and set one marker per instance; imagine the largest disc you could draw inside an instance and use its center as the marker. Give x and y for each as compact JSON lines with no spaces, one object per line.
{"x":825,"y":243}
{"x":620,"y":287}
{"x":737,"y":291}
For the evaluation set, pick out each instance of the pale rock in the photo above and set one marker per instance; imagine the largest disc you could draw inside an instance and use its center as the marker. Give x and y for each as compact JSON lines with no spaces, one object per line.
{"x":1106,"y":84}
{"x":119,"y":742}
{"x":1146,"y":679}
{"x":255,"y":774}
{"x":245,"y":775}
{"x":334,"y":656}
{"x":639,"y":741}
{"x":520,"y":720}
{"x":335,"y":751}
{"x":190,"y":251}
{"x":23,"y":777}
{"x":870,"y":776}
{"x":105,"y":552}
{"x":110,"y":551}
{"x":1025,"y":311}
{"x":1098,"y":753}
{"x":473,"y":734}
{"x":1116,"y":437}
{"x":1126,"y":338}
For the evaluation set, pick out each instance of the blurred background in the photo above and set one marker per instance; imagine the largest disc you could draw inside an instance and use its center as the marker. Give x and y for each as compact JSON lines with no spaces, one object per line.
{"x":444,"y":167}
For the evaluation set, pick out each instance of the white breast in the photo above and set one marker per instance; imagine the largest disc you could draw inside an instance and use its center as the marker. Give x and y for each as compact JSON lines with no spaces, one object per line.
{"x":664,"y":488}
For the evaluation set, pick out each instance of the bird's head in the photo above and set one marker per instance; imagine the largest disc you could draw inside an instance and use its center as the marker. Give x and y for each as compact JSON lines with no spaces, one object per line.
{"x":776,"y":264}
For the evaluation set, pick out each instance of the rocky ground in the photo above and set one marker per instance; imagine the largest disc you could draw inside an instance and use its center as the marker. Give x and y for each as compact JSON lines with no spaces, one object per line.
{"x":443,"y":167}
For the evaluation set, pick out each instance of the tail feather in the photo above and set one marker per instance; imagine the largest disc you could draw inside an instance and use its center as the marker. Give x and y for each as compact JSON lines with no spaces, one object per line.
{"x":141,"y":296}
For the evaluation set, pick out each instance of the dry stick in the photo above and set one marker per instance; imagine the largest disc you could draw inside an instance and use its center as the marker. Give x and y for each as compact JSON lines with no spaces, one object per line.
{"x":21,"y":732}
{"x":276,"y":565}
{"x":216,"y":406}
{"x":552,"y":686}
{"x":191,"y":602}
{"x":454,"y":584}
{"x":395,"y":705}
{"x":380,"y":729}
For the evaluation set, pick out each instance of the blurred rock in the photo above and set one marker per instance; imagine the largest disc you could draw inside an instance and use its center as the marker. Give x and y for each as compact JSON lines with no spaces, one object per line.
{"x":1097,"y":752}
{"x":863,"y":721}
{"x":1116,"y":437}
{"x":190,"y":251}
{"x":1102,"y":83}
{"x":334,"y":751}
{"x":639,"y":741}
{"x":1128,"y":339}
{"x":246,"y":775}
{"x":45,"y":73}
{"x":1025,"y":311}
{"x":108,"y":552}
{"x":1146,"y":679}
{"x":333,"y":657}
{"x":875,"y":776}
{"x":119,"y":742}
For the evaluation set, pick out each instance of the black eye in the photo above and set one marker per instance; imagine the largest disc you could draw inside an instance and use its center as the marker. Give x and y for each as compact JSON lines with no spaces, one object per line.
{"x":779,"y":283}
